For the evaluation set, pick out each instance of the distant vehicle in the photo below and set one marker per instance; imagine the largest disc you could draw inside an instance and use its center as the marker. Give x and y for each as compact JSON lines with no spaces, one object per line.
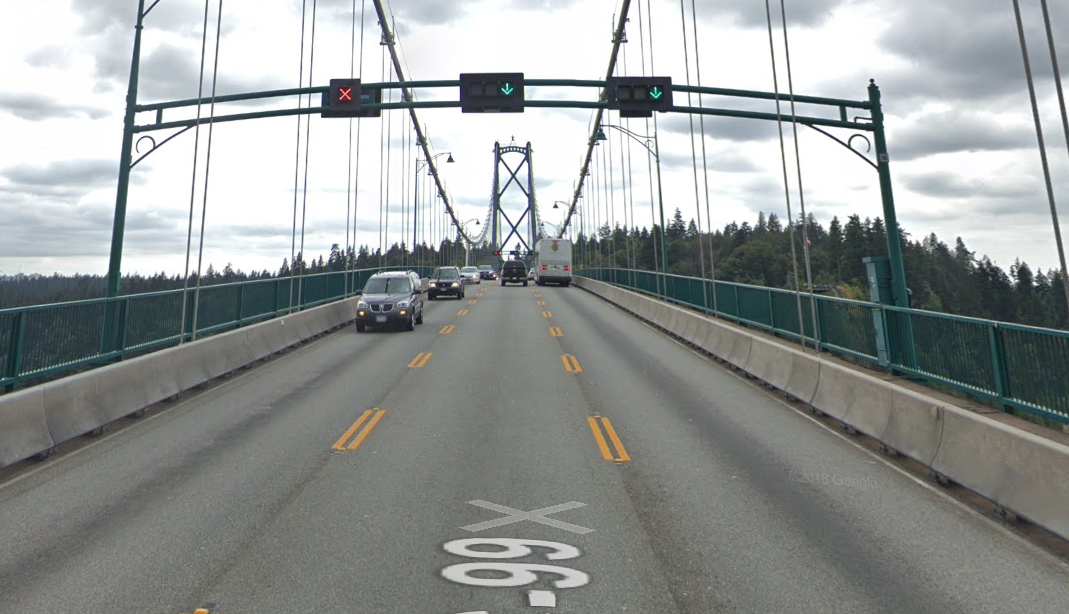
{"x":391,"y":298}
{"x":487,"y":272}
{"x":471,"y":275}
{"x":553,"y":262}
{"x":513,"y":271}
{"x":445,"y":280}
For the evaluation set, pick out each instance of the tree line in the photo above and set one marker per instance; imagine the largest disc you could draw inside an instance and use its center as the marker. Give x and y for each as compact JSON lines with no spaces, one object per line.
{"x":942,"y":278}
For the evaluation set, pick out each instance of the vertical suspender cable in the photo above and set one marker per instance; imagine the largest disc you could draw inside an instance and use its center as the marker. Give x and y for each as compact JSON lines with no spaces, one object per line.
{"x":631,"y":264}
{"x":801,"y":192}
{"x":705,"y":165}
{"x":389,"y":150}
{"x":359,"y":122}
{"x":207,"y":170}
{"x":349,"y":163}
{"x":1065,"y":127}
{"x":297,"y":161}
{"x":382,"y":151}
{"x":694,"y":152}
{"x":193,"y":186}
{"x":786,"y":183}
{"x":657,"y":157}
{"x":307,"y":149}
{"x":649,"y":161}
{"x":612,"y":201}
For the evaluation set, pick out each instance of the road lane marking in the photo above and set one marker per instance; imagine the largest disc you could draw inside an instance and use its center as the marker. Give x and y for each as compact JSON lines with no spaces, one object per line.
{"x":462,"y":312}
{"x":340,"y":444}
{"x":571,"y":365}
{"x":554,"y":331}
{"x":447,"y":329}
{"x":542,"y":303}
{"x":599,"y":438}
{"x":367,"y":429}
{"x":471,"y":302}
{"x":542,"y":599}
{"x":546,"y":314}
{"x":621,"y":453}
{"x":515,"y":515}
{"x":595,"y":428}
{"x":420,"y":360}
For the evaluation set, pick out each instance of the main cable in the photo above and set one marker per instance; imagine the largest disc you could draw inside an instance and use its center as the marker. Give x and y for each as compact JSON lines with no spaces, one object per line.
{"x":207,"y":170}
{"x":193,"y":186}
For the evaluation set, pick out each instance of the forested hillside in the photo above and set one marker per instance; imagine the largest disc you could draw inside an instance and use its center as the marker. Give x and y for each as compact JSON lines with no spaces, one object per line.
{"x":950,"y":279}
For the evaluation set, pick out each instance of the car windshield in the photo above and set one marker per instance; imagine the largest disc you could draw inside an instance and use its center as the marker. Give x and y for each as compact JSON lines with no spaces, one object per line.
{"x":469,"y":269}
{"x":446,"y":273}
{"x":388,"y":285}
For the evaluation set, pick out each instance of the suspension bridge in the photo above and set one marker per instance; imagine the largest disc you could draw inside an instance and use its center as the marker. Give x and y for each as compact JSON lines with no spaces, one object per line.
{"x":643,"y":441}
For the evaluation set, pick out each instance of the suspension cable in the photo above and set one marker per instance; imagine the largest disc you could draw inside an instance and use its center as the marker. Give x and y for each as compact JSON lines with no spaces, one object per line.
{"x":1065,"y":127}
{"x":801,"y":192}
{"x":612,"y":201}
{"x":389,"y":157}
{"x":694,"y":154}
{"x":351,"y":261}
{"x":307,"y":150}
{"x":705,"y":165}
{"x":633,"y":263}
{"x":382,"y":152}
{"x":649,"y":158}
{"x":207,"y":169}
{"x":193,"y":186}
{"x":786,"y":183}
{"x":349,"y":163}
{"x":297,"y":160}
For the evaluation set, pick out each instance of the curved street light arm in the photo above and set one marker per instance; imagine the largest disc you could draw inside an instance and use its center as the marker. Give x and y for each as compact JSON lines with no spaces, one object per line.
{"x":848,"y":143}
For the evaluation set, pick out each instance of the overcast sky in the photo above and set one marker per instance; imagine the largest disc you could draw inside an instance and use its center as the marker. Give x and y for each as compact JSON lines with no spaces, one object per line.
{"x":961,"y":138}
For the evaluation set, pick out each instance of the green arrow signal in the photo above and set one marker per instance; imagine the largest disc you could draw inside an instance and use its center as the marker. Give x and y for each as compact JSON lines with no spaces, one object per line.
{"x":508,"y":89}
{"x":655,"y":93}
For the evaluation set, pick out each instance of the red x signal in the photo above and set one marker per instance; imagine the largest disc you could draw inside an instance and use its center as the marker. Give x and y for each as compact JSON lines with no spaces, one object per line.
{"x":345,"y":93}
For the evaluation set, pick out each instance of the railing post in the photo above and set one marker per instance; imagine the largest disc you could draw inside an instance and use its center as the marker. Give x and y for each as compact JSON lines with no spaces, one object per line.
{"x":998,"y":364}
{"x":124,"y":307}
{"x":14,"y":356}
{"x":241,"y":304}
{"x":771,"y":312}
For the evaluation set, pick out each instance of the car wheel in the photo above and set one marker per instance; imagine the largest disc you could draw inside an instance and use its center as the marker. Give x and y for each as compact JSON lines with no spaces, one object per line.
{"x":524,"y":284}
{"x":411,"y":324}
{"x":430,"y":297}
{"x":502,"y":283}
{"x":361,"y":328}
{"x":419,"y":318}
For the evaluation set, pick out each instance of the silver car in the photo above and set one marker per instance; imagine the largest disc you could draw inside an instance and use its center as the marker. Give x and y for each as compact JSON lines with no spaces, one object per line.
{"x":471,"y":275}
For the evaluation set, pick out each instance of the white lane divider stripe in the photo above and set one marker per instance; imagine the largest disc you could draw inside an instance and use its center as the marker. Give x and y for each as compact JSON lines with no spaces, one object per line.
{"x":542,"y":599}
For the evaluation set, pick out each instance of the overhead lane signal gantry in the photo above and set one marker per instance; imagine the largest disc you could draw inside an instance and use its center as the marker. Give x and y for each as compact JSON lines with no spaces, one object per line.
{"x":346,"y":97}
{"x":639,"y":96}
{"x":491,"y":92}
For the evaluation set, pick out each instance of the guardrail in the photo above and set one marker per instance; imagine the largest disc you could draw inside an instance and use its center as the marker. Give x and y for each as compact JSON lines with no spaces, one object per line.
{"x":53,"y":340}
{"x":1011,"y":366}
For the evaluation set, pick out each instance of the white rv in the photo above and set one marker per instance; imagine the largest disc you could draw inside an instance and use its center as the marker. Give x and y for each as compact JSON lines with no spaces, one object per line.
{"x":553,"y":262}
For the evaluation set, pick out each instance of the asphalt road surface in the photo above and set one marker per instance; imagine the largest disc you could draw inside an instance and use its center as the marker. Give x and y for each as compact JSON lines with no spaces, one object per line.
{"x":532,"y":450}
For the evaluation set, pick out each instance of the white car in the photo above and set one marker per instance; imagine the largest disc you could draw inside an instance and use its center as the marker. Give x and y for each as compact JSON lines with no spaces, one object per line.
{"x":470,"y":275}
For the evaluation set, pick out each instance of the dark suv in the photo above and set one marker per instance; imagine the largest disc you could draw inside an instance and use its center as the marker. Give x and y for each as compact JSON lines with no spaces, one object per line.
{"x":391,"y":298}
{"x":446,"y":280}
{"x":513,"y":271}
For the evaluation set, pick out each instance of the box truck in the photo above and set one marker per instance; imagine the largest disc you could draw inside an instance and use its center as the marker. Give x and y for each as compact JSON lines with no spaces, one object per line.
{"x":553,"y":262}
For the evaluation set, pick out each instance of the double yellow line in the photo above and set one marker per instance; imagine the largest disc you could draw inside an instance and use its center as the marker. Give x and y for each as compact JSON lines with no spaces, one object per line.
{"x":554,"y":331}
{"x":571,"y":365}
{"x":621,"y":453}
{"x":420,"y":360}
{"x":447,"y":329}
{"x":339,"y":446}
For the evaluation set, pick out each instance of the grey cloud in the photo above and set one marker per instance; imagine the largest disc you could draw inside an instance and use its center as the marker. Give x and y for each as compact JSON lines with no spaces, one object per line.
{"x":951,"y":131}
{"x":38,"y":107}
{"x":727,"y":128}
{"x":752,"y":13}
{"x":90,"y":173}
{"x":170,"y":15}
{"x":1003,"y":191}
{"x":49,"y":56}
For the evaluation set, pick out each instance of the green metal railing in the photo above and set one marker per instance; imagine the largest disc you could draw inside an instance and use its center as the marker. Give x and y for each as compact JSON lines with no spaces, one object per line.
{"x":1011,"y":366}
{"x":53,"y":340}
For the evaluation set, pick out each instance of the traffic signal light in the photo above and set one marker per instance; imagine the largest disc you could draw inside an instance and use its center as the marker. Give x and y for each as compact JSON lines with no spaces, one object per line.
{"x":345,"y":98}
{"x":639,"y":96}
{"x":491,"y":92}
{"x":497,"y":253}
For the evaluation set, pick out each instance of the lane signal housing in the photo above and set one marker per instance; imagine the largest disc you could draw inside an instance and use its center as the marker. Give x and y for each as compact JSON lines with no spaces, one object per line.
{"x":639,"y":96}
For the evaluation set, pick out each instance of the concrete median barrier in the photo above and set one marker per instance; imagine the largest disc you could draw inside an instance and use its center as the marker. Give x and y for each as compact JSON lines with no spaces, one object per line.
{"x":1025,"y":473}
{"x":37,"y":419}
{"x":23,"y":426}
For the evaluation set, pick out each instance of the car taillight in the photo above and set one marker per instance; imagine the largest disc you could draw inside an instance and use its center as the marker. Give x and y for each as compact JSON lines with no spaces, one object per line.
{"x":543,"y":267}
{"x":567,"y":267}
